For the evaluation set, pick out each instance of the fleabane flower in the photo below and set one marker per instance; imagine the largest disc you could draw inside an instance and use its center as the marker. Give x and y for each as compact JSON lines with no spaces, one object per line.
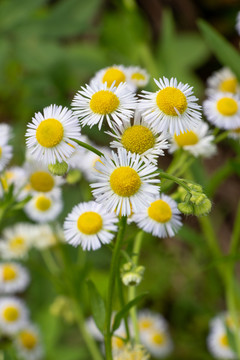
{"x":110,"y":75}
{"x":158,"y":342}
{"x":235,"y":133}
{"x":13,"y":315}
{"x":223,"y":80}
{"x":199,"y":141}
{"x":125,"y":183}
{"x":223,"y":110}
{"x":97,"y":102}
{"x":148,"y":321}
{"x":129,"y":352}
{"x":5,"y":148}
{"x":28,"y":343}
{"x":13,"y":278}
{"x":140,"y":138}
{"x":161,"y":218}
{"x":15,"y":176}
{"x":49,"y":134}
{"x":172,"y":108}
{"x":90,"y":225}
{"x":45,"y":236}
{"x":137,"y":77}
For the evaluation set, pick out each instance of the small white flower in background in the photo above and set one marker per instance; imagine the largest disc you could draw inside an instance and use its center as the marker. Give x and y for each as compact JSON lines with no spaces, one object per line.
{"x":112,"y":75}
{"x":97,"y":102}
{"x":5,"y":148}
{"x":13,"y":315}
{"x":161,"y":218}
{"x":198,"y":141}
{"x":28,"y":343}
{"x":172,"y":108}
{"x":90,"y":225}
{"x":223,"y":80}
{"x":93,"y":329}
{"x":238,"y":23}
{"x":49,"y":134}
{"x":125,"y":183}
{"x":140,"y":138}
{"x":235,"y":133}
{"x":137,"y":77}
{"x":217,"y":341}
{"x":45,"y":207}
{"x":223,"y":110}
{"x":14,"y":278}
{"x":130,"y":352}
{"x":45,"y":236}
{"x":16,"y":176}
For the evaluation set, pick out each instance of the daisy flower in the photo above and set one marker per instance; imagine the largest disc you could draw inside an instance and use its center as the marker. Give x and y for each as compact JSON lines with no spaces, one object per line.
{"x":46,"y":237}
{"x":125,"y":183}
{"x":44,"y":207}
{"x":16,"y":241}
{"x":49,"y":135}
{"x":139,"y":138}
{"x":97,"y":102}
{"x":5,"y":133}
{"x":129,"y":352}
{"x":115,"y":74}
{"x":13,"y":278}
{"x":28,"y":343}
{"x":222,"y":80}
{"x":16,"y":176}
{"x":93,"y":329}
{"x":235,"y":134}
{"x":199,"y":142}
{"x":161,"y":218}
{"x":13,"y":315}
{"x":148,"y":320}
{"x":172,"y":108}
{"x":158,"y":342}
{"x":238,"y":23}
{"x":89,"y":225}
{"x":137,"y":77}
{"x":223,"y":110}
{"x":5,"y":154}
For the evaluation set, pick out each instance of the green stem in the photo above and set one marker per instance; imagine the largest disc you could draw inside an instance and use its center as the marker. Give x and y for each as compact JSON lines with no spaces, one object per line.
{"x":236,"y":233}
{"x":178,"y":181}
{"x":50,"y":261}
{"x":88,"y":147}
{"x":221,"y":137}
{"x":122,"y":303}
{"x":111,"y":285}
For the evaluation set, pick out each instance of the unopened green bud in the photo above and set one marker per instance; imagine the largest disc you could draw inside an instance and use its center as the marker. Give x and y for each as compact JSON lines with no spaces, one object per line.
{"x":58,"y":168}
{"x":61,"y":307}
{"x":127,"y":267}
{"x":186,"y":208}
{"x":197,"y":198}
{"x":131,"y":279}
{"x":140,"y":270}
{"x":73,"y":176}
{"x":195,"y":187}
{"x":204,"y":208}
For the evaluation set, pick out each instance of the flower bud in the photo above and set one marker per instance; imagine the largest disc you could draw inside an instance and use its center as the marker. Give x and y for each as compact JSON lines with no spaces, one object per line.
{"x":58,"y":168}
{"x":186,"y":208}
{"x":131,"y":279}
{"x":73,"y":176}
{"x":203,"y":208}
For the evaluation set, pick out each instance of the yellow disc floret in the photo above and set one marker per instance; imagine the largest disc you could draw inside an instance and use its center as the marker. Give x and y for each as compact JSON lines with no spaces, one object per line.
{"x":17,"y":244}
{"x":158,"y":339}
{"x":117,"y":343}
{"x":138,"y":139}
{"x":11,"y":313}
{"x":113,"y":74}
{"x":28,"y":339}
{"x":227,"y":106}
{"x":160,"y":211}
{"x":125,"y":181}
{"x":171,"y":101}
{"x":137,"y":76}
{"x":9,"y":273}
{"x":43,"y":203}
{"x":0,"y":152}
{"x":224,"y":340}
{"x":229,"y":85}
{"x":49,"y":133}
{"x":42,"y":181}
{"x":104,"y":102}
{"x":90,"y":223}
{"x":186,"y":138}
{"x":145,"y":324}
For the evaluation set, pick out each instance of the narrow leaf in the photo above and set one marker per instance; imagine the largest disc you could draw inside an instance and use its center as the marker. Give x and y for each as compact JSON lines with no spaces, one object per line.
{"x":97,"y":305}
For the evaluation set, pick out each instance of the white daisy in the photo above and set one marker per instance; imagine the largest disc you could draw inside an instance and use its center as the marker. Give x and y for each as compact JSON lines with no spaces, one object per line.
{"x":238,"y":23}
{"x":223,"y":110}
{"x":95,"y":103}
{"x":234,"y":133}
{"x":28,"y":343}
{"x":171,"y":109}
{"x":46,"y":237}
{"x":5,"y":133}
{"x":224,"y":81}
{"x":16,"y":176}
{"x":93,"y":329}
{"x":112,"y":75}
{"x":44,"y":207}
{"x":137,"y":77}
{"x":140,"y":138}
{"x":158,"y":342}
{"x":13,"y":278}
{"x":129,"y":352}
{"x":5,"y":155}
{"x":148,"y":321}
{"x":125,"y":183}
{"x":13,"y":315}
{"x":16,"y":241}
{"x":49,"y":135}
{"x":161,"y":218}
{"x":198,"y":141}
{"x":89,"y":225}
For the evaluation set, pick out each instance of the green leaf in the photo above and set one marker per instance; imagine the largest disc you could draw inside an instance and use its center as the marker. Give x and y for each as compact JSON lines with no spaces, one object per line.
{"x":120,"y":314}
{"x":97,"y":305}
{"x":222,"y":49}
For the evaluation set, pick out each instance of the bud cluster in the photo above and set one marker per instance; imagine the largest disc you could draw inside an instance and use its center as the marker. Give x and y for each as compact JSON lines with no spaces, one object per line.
{"x":195,"y":201}
{"x":131,"y":274}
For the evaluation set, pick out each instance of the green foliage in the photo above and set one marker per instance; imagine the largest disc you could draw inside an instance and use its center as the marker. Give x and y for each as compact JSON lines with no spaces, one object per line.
{"x":97,"y":305}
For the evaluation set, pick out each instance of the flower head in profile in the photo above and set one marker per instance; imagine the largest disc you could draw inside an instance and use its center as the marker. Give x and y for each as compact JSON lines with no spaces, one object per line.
{"x":137,"y":77}
{"x":223,"y":80}
{"x":13,"y":315}
{"x":173,"y":108}
{"x":111,"y":75}
{"x":49,"y":134}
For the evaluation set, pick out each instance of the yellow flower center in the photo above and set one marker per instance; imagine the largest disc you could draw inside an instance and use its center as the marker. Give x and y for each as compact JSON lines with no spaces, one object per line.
{"x":104,"y":102}
{"x":42,"y":181}
{"x":171,"y":101}
{"x":138,"y":139}
{"x":49,"y":133}
{"x":11,"y":314}
{"x":0,"y":152}
{"x":227,"y":106}
{"x":237,"y":130}
{"x":224,"y":340}
{"x":186,"y":138}
{"x":145,"y":324}
{"x":17,"y":243}
{"x":158,"y":339}
{"x":229,"y":85}
{"x":28,"y":339}
{"x":137,"y":76}
{"x":160,"y":211}
{"x":112,"y":75}
{"x":125,"y":181}
{"x":9,"y":273}
{"x":90,"y":223}
{"x":43,"y":203}
{"x":117,"y":343}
